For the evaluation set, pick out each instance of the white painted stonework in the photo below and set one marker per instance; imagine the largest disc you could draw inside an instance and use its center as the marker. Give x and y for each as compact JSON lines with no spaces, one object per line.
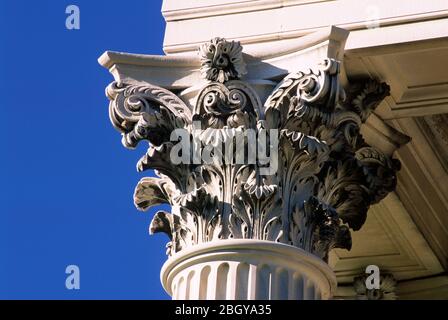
{"x":279,"y":225}
{"x":247,"y":270}
{"x":352,"y":87}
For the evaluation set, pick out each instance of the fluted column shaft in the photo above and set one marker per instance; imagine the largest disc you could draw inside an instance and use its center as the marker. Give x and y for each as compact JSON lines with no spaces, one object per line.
{"x":261,"y":187}
{"x":247,"y":270}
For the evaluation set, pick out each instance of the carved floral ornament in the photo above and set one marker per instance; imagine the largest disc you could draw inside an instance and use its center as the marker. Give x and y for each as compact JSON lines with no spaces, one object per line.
{"x":222,"y":60}
{"x":326,"y":175}
{"x":386,"y":290}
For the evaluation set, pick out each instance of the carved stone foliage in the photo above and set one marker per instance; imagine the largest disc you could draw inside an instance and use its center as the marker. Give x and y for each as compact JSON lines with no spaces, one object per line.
{"x":326,"y":176}
{"x":386,"y":291}
{"x":222,"y":60}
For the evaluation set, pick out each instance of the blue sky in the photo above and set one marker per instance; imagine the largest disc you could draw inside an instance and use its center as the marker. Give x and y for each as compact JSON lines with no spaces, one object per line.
{"x":66,"y":183}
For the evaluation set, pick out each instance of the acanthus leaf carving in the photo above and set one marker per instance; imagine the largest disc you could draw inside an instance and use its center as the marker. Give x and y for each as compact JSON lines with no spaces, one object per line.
{"x":386,"y":290}
{"x":326,"y":176}
{"x":153,"y":191}
{"x":145,"y":112}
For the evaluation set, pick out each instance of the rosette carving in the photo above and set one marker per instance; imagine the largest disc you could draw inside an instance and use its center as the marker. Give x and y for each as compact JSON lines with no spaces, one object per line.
{"x":386,"y":290}
{"x":325,"y":176}
{"x":222,"y":60}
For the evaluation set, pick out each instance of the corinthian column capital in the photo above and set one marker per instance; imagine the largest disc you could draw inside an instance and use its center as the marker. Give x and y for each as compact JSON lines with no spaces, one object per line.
{"x":291,"y":170}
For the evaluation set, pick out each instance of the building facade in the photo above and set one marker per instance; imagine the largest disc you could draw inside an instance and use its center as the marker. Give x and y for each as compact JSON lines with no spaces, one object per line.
{"x":353,"y":176}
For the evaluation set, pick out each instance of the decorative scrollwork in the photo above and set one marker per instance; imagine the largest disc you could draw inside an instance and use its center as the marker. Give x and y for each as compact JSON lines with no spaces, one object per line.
{"x":326,"y":176}
{"x":232,"y":105}
{"x":145,"y":112}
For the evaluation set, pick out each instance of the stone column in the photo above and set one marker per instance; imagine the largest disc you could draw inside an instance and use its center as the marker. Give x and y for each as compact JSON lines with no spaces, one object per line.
{"x":247,"y":269}
{"x":263,"y":182}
